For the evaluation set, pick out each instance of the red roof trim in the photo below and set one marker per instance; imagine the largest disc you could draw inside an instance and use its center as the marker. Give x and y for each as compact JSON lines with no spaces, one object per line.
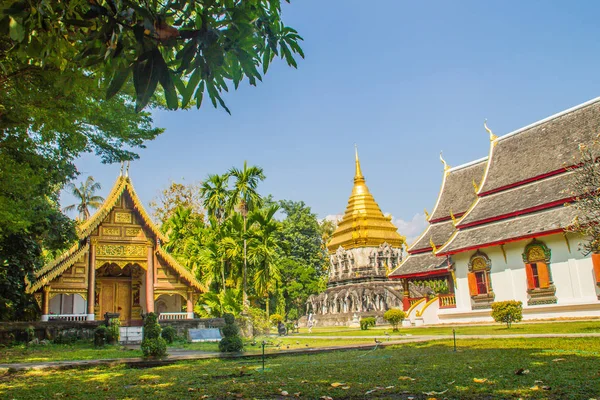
{"x":420,"y":274}
{"x":529,"y":180}
{"x":447,"y":218}
{"x":517,"y":213}
{"x":419,"y":251}
{"x":499,"y":242}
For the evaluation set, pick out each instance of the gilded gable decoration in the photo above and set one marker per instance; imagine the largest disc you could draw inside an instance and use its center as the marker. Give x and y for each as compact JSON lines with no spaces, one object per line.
{"x":536,"y":251}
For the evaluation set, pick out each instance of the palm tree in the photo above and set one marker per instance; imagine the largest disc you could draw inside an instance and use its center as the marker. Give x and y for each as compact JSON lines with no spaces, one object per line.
{"x":245,"y":197}
{"x":85,"y":197}
{"x":263,"y":250}
{"x":215,"y":195}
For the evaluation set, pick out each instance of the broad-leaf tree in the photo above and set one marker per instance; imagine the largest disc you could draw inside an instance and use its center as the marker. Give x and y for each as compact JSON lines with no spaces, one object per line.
{"x":191,"y":48}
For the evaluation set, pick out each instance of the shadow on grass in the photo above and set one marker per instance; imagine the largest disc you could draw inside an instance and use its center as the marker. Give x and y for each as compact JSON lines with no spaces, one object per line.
{"x":480,"y":369}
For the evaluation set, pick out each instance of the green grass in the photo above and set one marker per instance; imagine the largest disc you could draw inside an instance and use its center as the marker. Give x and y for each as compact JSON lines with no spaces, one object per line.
{"x":63,"y":352}
{"x":569,"y":367}
{"x":497,"y":329}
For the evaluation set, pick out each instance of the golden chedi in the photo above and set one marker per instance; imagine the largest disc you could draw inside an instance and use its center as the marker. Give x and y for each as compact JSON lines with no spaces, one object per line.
{"x":364,"y":248}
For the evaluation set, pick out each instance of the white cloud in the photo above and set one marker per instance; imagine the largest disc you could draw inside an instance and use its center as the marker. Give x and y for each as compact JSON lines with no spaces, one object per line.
{"x":411,"y":229}
{"x":334,"y":217}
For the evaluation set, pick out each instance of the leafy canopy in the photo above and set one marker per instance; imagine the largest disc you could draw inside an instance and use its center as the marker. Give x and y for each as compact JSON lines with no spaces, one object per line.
{"x":189,"y":47}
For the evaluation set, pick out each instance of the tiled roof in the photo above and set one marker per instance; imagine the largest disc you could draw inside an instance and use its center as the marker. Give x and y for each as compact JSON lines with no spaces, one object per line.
{"x":457,"y":191}
{"x":521,"y":198}
{"x":524,"y":226}
{"x":541,"y":148}
{"x":420,"y":263}
{"x":439,"y":233}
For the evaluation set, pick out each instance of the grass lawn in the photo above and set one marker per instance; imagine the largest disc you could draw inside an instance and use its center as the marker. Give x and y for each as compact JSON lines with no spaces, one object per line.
{"x":497,"y":329}
{"x":480,"y":369}
{"x":62,"y":352}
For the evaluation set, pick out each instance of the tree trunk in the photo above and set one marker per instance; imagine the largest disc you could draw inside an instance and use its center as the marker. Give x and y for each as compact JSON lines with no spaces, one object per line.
{"x":267,"y":305}
{"x":245,"y":295}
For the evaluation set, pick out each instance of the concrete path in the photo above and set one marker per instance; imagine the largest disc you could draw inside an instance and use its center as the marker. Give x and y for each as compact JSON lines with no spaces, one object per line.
{"x":184,"y":354}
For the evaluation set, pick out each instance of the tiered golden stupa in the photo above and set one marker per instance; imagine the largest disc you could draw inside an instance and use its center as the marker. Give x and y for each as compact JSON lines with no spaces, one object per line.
{"x":363,"y":225}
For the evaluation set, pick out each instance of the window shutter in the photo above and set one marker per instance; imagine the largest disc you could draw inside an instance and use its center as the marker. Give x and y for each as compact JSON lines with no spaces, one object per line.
{"x":530,"y":280}
{"x":596,"y":262}
{"x":472,"y":284}
{"x":543,"y":275}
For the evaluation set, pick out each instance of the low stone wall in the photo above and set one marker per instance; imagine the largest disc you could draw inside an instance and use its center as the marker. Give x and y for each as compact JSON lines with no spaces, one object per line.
{"x":16,"y":331}
{"x":183,"y":325}
{"x":340,"y":319}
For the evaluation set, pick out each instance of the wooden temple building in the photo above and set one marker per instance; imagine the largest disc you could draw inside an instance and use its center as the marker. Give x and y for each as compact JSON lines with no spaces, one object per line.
{"x":500,"y":230}
{"x":118,"y":265}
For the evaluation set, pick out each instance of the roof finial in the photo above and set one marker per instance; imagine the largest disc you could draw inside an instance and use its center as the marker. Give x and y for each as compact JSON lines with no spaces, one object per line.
{"x":358,"y":173}
{"x":446,"y":166}
{"x":492,"y":136}
{"x":122,"y":166}
{"x":426,"y":214}
{"x":127,"y":170}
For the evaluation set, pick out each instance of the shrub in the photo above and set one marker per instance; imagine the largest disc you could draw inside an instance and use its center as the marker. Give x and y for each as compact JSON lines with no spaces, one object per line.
{"x":258,"y":319}
{"x":394,"y":317}
{"x":169,"y":334}
{"x":29,"y":334}
{"x":100,"y":336}
{"x":293,"y":314}
{"x":152,"y":329}
{"x":113,"y":333}
{"x":156,"y":347}
{"x":153,"y":345}
{"x":276,"y":319}
{"x":231,"y":341}
{"x":366,"y":322}
{"x":507,"y":311}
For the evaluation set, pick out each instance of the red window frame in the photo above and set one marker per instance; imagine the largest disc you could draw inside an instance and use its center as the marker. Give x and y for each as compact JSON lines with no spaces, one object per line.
{"x":535,"y":275}
{"x":481,"y":279}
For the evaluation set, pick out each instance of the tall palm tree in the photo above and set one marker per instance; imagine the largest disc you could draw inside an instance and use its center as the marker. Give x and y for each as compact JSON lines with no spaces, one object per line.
{"x":215,"y":194}
{"x":245,"y":197}
{"x":264,"y":249}
{"x":85,"y":196}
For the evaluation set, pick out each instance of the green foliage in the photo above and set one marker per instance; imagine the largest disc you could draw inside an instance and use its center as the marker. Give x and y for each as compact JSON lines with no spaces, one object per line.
{"x":275,"y":319}
{"x":100,"y":334}
{"x":507,"y":311}
{"x":293,"y":314}
{"x":112,"y":331}
{"x":231,"y":342}
{"x":86,"y":197}
{"x":152,"y":328}
{"x":29,"y":333}
{"x":216,"y":304}
{"x":367,"y":322}
{"x":169,"y":334}
{"x":258,"y":320}
{"x":156,"y":347}
{"x":394,"y":316}
{"x":190,"y":48}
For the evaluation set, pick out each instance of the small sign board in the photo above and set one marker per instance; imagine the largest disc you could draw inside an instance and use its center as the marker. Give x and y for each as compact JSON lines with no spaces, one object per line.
{"x":204,"y":335}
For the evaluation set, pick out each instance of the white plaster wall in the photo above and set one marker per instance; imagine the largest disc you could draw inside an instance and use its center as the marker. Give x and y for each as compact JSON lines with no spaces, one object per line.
{"x":572,"y":274}
{"x":173,"y":303}
{"x":71,"y":304}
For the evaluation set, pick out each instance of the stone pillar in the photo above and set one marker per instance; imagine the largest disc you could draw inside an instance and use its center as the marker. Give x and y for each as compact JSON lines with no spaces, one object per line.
{"x":91,"y":298}
{"x":190,"y":304}
{"x":150,"y":280}
{"x":405,"y":301}
{"x":45,"y":303}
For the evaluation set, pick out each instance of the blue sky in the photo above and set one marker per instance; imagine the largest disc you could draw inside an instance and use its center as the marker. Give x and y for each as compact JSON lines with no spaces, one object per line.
{"x":403,"y":80}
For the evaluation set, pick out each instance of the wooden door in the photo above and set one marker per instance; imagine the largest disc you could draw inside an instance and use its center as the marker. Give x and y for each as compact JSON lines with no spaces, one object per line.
{"x":124,"y":301}
{"x":116,"y":298}
{"x":107,"y":303}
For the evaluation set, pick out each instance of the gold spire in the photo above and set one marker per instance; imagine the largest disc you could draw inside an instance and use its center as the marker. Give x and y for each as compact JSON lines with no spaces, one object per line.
{"x":363,"y":224}
{"x":357,"y":173}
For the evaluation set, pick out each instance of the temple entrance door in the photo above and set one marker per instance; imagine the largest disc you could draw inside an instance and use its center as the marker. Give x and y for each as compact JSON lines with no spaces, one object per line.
{"x":116,"y":298}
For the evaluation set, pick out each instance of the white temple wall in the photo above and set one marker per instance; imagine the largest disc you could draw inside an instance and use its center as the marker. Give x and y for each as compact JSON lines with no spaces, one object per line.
{"x":168,"y":303}
{"x":572,"y":274}
{"x":67,"y":304}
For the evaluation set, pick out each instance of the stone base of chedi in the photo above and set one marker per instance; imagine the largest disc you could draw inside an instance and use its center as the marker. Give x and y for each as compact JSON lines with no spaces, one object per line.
{"x":364,"y":248}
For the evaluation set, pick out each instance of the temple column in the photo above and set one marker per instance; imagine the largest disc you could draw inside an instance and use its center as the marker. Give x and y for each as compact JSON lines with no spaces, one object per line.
{"x":405,"y":300}
{"x":91,"y":300}
{"x":190,"y":304}
{"x":45,"y":303}
{"x":150,"y":280}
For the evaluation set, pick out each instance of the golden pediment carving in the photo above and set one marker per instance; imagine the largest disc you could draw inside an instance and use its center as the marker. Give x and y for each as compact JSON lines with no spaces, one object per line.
{"x":132,"y":231}
{"x":122,"y":251}
{"x":111,"y":231}
{"x":123,"y":217}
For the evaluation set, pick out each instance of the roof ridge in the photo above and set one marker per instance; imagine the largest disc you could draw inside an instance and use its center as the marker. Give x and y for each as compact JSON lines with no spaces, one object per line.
{"x":468,"y":164}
